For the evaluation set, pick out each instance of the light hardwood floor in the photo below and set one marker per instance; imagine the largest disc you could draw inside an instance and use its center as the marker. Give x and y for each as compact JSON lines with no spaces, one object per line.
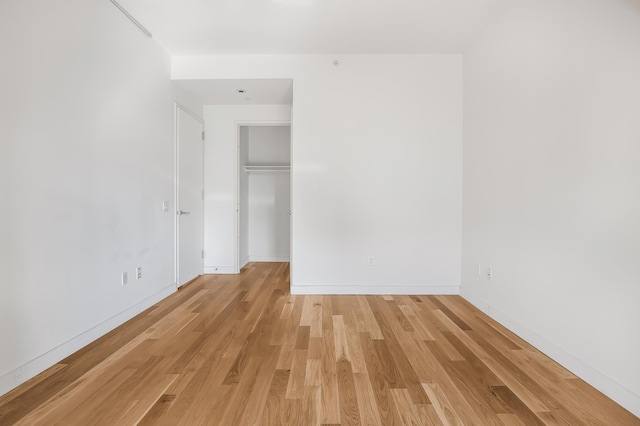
{"x":240,"y":350}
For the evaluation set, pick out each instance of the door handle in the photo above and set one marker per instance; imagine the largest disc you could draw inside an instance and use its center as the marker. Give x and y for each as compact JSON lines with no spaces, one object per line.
{"x":180,"y":212}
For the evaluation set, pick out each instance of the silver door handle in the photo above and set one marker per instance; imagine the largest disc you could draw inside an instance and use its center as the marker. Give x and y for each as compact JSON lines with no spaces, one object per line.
{"x":180,"y":212}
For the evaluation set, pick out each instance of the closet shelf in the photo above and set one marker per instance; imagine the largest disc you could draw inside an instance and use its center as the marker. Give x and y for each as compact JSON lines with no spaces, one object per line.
{"x":276,"y":168}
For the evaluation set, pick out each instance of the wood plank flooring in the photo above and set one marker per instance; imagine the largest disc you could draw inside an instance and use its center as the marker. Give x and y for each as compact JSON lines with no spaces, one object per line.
{"x":240,"y":350}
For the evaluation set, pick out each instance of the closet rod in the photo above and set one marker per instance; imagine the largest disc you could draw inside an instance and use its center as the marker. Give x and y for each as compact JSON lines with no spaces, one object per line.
{"x":249,"y":168}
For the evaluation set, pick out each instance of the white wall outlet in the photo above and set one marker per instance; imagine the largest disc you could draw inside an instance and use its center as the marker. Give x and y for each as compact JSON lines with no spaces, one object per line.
{"x":165,"y":206}
{"x":139,"y":272}
{"x":370,"y":260}
{"x":125,"y":278}
{"x":489,"y":274}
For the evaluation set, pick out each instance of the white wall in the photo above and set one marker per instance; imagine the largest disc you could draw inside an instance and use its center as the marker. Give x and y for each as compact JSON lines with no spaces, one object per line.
{"x":376,"y":168}
{"x":221,"y":178}
{"x":86,"y":159}
{"x":552,"y":184}
{"x":269,"y":195}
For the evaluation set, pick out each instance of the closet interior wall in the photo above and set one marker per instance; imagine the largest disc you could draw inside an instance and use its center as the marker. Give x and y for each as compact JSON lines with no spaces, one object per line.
{"x":264,"y":196}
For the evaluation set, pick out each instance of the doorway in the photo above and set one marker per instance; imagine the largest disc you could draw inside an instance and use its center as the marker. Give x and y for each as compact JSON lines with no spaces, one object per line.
{"x":189,"y":182}
{"x":264,"y":193}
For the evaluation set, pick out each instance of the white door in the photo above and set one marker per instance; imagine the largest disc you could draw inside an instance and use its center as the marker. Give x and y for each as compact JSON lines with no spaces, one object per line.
{"x":189,"y":204}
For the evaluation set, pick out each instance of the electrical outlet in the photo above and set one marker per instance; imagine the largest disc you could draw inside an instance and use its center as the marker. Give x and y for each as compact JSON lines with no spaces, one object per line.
{"x":489,"y":274}
{"x":370,"y":261}
{"x":125,"y":278}
{"x":139,"y":272}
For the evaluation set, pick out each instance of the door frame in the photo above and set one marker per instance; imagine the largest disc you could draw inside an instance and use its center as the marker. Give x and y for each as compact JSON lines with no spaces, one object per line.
{"x":260,"y":123}
{"x":177,"y":107}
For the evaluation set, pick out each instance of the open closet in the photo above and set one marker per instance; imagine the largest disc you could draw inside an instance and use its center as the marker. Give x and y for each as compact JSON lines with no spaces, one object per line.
{"x":264,"y":193}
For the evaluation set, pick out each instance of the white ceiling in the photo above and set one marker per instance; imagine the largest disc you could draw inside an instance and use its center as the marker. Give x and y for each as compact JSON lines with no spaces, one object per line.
{"x":225,"y":92}
{"x":202,"y":27}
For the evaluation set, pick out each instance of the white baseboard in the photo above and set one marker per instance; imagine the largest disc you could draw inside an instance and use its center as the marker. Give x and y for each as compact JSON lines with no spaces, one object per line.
{"x":244,"y":262}
{"x":388,"y":289}
{"x":219,"y":270}
{"x":269,"y":258}
{"x":230,"y":269}
{"x":18,"y":376}
{"x":595,"y":378}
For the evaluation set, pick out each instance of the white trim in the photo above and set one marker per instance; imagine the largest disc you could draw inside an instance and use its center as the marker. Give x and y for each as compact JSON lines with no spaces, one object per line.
{"x":389,"y":289}
{"x":291,"y":177}
{"x":30,"y":369}
{"x":595,"y":378}
{"x":244,"y":262}
{"x":219,"y":270}
{"x":189,"y":112}
{"x":248,"y":123}
{"x":237,"y":262}
{"x":131,"y":18}
{"x":269,"y":259}
{"x":176,"y":108}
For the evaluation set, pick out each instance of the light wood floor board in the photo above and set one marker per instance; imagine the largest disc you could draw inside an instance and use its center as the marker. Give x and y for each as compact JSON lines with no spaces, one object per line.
{"x":241,"y":350}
